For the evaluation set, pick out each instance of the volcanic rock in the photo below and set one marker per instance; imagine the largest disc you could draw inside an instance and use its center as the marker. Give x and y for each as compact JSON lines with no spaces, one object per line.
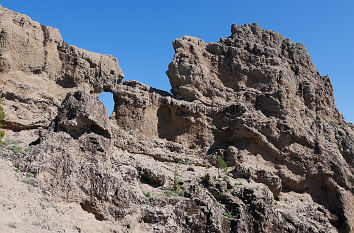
{"x":254,"y":99}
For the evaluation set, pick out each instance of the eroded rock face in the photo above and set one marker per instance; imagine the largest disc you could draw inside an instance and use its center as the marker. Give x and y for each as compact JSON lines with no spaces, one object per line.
{"x":255,"y":99}
{"x":276,"y":71}
{"x":81,"y":113}
{"x":38,"y":69}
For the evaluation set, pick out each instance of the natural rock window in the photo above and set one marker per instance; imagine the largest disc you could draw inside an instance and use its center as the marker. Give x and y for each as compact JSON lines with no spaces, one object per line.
{"x":107,"y":99}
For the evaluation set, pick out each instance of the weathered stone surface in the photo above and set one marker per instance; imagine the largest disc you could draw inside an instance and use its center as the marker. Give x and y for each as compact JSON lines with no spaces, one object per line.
{"x":260,"y":94}
{"x":278,"y":72}
{"x":254,"y":99}
{"x":81,"y":113}
{"x":38,"y":69}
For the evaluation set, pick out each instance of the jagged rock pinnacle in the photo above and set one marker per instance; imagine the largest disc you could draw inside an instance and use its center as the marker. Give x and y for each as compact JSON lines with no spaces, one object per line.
{"x":253,"y":100}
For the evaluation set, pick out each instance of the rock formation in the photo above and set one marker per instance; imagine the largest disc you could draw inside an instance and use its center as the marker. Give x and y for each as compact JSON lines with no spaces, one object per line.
{"x":255,"y":99}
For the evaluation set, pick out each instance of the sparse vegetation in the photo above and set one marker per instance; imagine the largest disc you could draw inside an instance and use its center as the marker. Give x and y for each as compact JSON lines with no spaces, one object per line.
{"x":15,"y":149}
{"x":149,"y":197}
{"x":176,"y":186}
{"x":4,"y":143}
{"x":334,"y":124}
{"x":221,"y":165}
{"x":26,"y":181}
{"x":176,"y":180}
{"x":229,"y":217}
{"x":170,"y":193}
{"x":28,"y":149}
{"x":12,"y":145}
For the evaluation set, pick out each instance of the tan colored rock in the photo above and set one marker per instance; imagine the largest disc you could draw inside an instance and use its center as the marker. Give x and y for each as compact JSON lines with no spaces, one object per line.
{"x":260,"y":93}
{"x":38,"y":69}
{"x":255,"y":99}
{"x":27,"y":208}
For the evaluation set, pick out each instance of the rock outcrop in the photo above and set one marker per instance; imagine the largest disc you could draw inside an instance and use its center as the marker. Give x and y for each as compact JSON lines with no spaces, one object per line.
{"x":254,"y":99}
{"x":38,"y":69}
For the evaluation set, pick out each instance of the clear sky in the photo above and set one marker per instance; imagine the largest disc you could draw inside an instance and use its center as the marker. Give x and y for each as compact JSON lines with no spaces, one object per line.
{"x":140,"y":33}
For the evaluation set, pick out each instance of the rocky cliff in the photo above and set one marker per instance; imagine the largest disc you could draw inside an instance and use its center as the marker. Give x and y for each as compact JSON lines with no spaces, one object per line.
{"x":254,"y":99}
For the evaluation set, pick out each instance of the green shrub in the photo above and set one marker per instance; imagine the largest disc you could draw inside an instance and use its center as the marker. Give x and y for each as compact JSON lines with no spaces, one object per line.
{"x":5,"y":143}
{"x":176,"y":187}
{"x":176,"y":180}
{"x":149,"y":197}
{"x":221,"y":165}
{"x":334,"y":124}
{"x":16,"y":149}
{"x":170,"y":193}
{"x":229,"y":217}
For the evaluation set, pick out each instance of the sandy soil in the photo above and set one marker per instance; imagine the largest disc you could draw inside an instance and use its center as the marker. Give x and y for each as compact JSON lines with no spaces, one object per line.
{"x":27,"y":208}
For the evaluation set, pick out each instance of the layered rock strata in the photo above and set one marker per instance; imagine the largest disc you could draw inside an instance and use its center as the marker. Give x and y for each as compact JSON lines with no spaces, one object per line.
{"x":255,"y":99}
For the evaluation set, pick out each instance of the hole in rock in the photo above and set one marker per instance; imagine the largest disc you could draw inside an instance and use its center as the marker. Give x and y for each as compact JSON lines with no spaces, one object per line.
{"x":107,"y":99}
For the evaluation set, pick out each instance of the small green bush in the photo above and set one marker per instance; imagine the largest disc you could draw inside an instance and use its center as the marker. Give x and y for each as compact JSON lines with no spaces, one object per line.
{"x":15,"y":149}
{"x":229,"y":217}
{"x":5,"y":143}
{"x":334,"y":124}
{"x":176,"y":180}
{"x":221,"y":165}
{"x":149,"y":197}
{"x":170,"y":193}
{"x":176,"y":187}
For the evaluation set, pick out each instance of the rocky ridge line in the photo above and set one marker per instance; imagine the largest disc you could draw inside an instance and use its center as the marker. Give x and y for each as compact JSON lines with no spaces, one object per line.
{"x":255,"y":99}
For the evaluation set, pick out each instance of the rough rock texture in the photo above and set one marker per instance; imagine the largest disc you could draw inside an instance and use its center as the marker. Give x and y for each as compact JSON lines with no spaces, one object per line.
{"x":38,"y":69}
{"x":255,"y":99}
{"x":28,"y":208}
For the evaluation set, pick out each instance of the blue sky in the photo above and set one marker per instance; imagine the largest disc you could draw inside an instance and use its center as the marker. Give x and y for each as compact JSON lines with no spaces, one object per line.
{"x":140,"y":33}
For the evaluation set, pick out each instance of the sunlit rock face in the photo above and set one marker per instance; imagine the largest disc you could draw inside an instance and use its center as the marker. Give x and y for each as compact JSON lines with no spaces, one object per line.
{"x":254,"y":100}
{"x":38,"y":69}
